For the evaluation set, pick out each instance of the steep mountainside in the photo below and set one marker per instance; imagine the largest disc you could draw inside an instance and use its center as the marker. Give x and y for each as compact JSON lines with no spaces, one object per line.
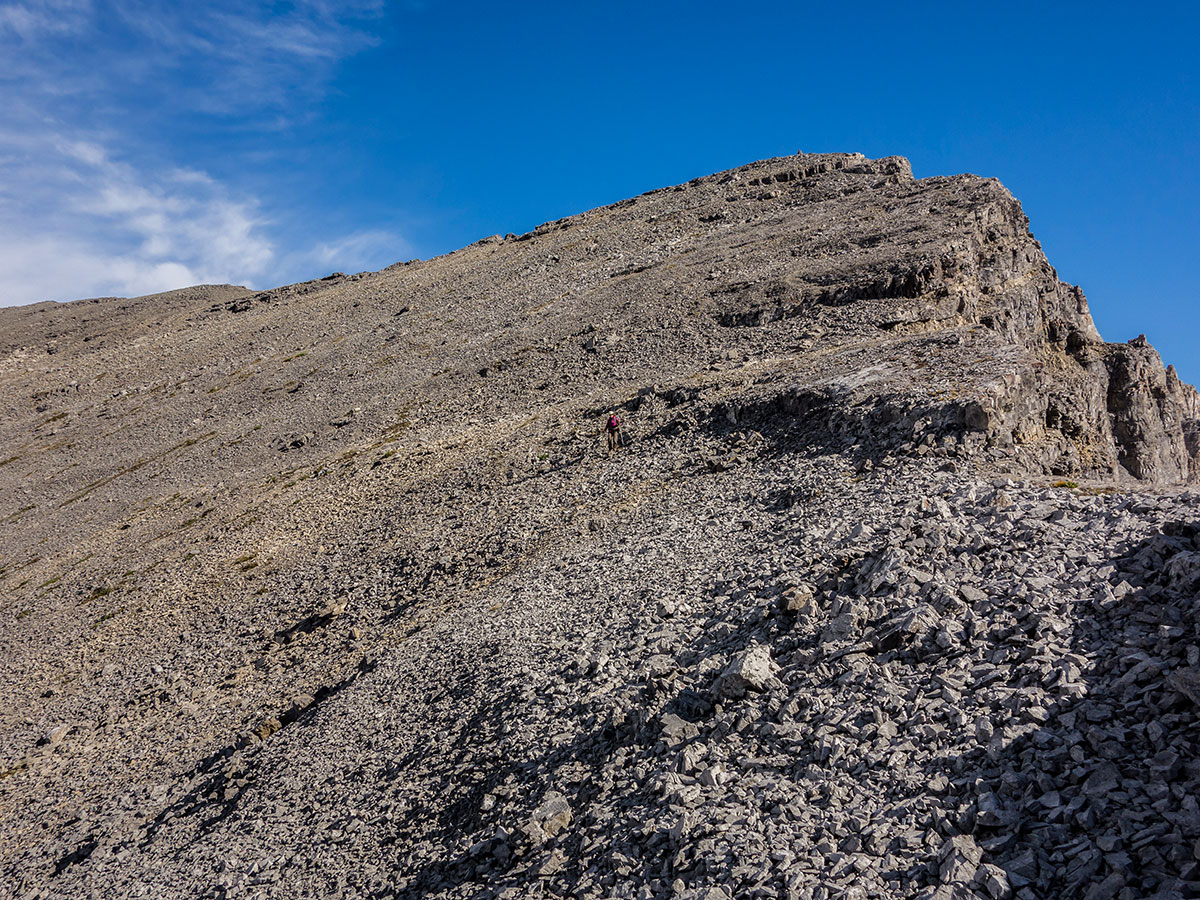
{"x":332,"y":589}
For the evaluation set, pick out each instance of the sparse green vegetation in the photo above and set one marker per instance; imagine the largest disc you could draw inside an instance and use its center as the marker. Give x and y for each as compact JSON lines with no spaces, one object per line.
{"x":24,"y":614}
{"x":387,"y":454}
{"x":1070,"y":485}
{"x":25,"y":565}
{"x":394,"y":431}
{"x":108,"y":615}
{"x":137,"y":465}
{"x":1100,"y":491}
{"x":20,"y":512}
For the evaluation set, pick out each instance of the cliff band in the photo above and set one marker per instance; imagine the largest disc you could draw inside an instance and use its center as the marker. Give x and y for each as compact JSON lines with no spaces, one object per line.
{"x":333,"y":589}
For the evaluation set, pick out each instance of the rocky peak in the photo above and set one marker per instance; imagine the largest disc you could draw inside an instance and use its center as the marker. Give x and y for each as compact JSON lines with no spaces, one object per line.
{"x":336,"y":589}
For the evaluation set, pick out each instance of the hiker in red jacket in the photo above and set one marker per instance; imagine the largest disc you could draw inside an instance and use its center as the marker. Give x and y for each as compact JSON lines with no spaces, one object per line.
{"x":612,"y":430}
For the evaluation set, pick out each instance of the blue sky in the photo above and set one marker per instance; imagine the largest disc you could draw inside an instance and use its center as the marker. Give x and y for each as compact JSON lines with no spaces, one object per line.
{"x":146,"y":144}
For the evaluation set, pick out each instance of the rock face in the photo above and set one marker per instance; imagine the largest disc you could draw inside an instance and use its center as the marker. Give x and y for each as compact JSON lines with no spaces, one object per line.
{"x":333,"y":590}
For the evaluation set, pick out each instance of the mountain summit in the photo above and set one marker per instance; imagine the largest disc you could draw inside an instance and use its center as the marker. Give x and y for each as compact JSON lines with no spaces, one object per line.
{"x":334,"y":589}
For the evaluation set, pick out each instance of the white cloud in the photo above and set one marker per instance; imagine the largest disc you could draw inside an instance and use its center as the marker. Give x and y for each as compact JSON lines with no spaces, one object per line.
{"x":33,"y":19}
{"x":361,"y":250}
{"x":86,"y":225}
{"x":218,"y":57}
{"x":94,"y":199}
{"x":47,"y":268}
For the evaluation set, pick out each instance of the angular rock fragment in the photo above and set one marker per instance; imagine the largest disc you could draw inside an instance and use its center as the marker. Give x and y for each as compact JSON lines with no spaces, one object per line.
{"x":1187,"y":682}
{"x":958,"y":860}
{"x":994,"y":882}
{"x":797,"y":599}
{"x":554,"y":814}
{"x":751,"y":670}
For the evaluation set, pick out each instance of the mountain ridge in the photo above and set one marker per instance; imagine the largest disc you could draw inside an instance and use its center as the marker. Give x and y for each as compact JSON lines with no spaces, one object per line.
{"x":233,"y":517}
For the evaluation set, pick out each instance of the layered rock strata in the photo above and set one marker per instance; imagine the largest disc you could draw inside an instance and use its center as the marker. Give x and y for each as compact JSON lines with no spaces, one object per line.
{"x":331,"y":590}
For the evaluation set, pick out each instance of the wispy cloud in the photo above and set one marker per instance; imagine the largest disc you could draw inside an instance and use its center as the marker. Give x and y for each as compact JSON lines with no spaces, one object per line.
{"x":362,"y":250}
{"x":239,"y":54}
{"x":84,"y":224}
{"x":100,"y":195}
{"x":242,"y":56}
{"x":34,"y":19}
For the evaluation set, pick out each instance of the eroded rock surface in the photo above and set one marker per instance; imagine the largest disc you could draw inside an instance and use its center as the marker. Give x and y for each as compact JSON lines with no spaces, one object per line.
{"x":332,"y":590}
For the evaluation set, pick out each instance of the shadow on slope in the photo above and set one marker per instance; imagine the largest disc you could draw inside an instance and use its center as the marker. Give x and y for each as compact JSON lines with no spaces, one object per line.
{"x":1095,"y":796}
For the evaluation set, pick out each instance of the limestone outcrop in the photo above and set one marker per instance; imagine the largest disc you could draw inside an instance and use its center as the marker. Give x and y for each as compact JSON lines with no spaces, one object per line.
{"x":334,"y":589}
